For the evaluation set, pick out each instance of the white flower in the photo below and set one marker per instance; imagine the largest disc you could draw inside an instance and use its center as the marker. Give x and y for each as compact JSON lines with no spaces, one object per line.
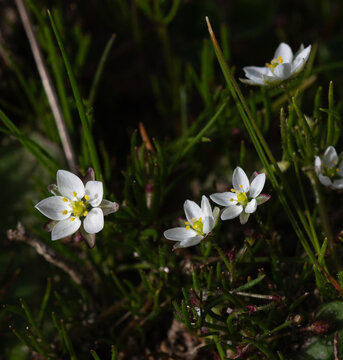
{"x":200,"y":222}
{"x":329,"y":170}
{"x":74,"y":203}
{"x":243,"y":199}
{"x":282,"y":66}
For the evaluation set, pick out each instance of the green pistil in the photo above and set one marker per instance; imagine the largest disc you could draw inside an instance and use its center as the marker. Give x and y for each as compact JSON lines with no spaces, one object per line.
{"x":79,"y":208}
{"x":242,"y":198}
{"x":331,"y":172}
{"x":197,"y":226}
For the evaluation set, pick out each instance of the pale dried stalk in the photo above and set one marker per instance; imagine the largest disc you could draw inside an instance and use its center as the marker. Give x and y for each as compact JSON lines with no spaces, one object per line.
{"x":48,"y":85}
{"x":48,"y":253}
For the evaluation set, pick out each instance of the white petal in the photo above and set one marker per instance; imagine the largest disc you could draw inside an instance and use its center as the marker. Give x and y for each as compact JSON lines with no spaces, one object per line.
{"x":94,"y":221}
{"x":208,"y":224}
{"x":256,"y":71}
{"x":65,"y":228}
{"x":192,"y":211}
{"x":257,"y":185}
{"x":240,"y":180}
{"x":69,"y":184}
{"x":283,"y":71}
{"x":302,"y":54}
{"x":256,"y":82}
{"x":231,"y":212}
{"x":325,"y":180}
{"x":189,"y":242}
{"x":330,"y":157}
{"x":255,"y":74}
{"x":95,"y":191}
{"x":108,"y":207}
{"x":223,"y":199}
{"x":54,"y":208}
{"x":317,"y":165}
{"x":251,"y":206}
{"x":179,"y":234}
{"x":297,"y":66}
{"x":205,"y":206}
{"x":262,"y":198}
{"x":338,"y":184}
{"x":340,"y":169}
{"x":243,"y":218}
{"x":285,"y":52}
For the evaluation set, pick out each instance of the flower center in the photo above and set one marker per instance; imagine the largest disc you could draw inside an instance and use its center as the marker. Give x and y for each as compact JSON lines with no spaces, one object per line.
{"x":79,"y":208}
{"x":242,"y":197}
{"x":330,"y":171}
{"x":197,"y":226}
{"x":274,"y":63}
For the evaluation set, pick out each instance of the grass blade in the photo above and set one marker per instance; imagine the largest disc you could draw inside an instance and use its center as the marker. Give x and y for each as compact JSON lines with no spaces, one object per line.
{"x":79,"y":104}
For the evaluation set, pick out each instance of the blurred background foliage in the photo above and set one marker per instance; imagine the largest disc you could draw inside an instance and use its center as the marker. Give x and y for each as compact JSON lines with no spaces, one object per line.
{"x":158,"y":69}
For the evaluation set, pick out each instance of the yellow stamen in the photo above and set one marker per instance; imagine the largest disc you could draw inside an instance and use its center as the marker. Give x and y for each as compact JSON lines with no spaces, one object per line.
{"x":274,"y":63}
{"x":65,"y":199}
{"x":231,"y":199}
{"x":241,"y":186}
{"x":233,"y":190}
{"x":74,"y":193}
{"x":72,"y":219}
{"x":87,"y":197}
{"x":187,"y":223}
{"x":188,"y":227}
{"x":64,"y":212}
{"x":85,"y":213}
{"x":200,"y":219}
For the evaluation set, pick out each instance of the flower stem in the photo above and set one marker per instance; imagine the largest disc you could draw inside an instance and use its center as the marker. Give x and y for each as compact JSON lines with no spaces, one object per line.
{"x":324,"y":217}
{"x":223,"y":257}
{"x":285,"y":88}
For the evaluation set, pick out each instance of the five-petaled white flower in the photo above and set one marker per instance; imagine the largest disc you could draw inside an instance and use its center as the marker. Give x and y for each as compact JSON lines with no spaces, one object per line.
{"x":74,"y":203}
{"x":283,"y":66}
{"x":200,"y":222}
{"x":329,"y":170}
{"x":243,"y":198}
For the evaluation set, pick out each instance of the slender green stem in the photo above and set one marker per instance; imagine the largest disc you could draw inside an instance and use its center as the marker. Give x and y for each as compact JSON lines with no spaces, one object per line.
{"x":100,"y":70}
{"x":263,"y":149}
{"x":285,"y":88}
{"x":314,"y":237}
{"x":324,"y":218}
{"x":200,"y":134}
{"x":223,"y":257}
{"x":219,"y":347}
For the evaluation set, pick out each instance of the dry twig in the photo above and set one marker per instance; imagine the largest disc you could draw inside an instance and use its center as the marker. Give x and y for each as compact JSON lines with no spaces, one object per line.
{"x":48,"y":253}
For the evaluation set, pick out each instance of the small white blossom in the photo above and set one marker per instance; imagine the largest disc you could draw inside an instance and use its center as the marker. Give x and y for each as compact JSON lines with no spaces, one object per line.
{"x":76,"y":206}
{"x":283,"y":66}
{"x":243,"y":198}
{"x":200,"y":222}
{"x":329,"y":169}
